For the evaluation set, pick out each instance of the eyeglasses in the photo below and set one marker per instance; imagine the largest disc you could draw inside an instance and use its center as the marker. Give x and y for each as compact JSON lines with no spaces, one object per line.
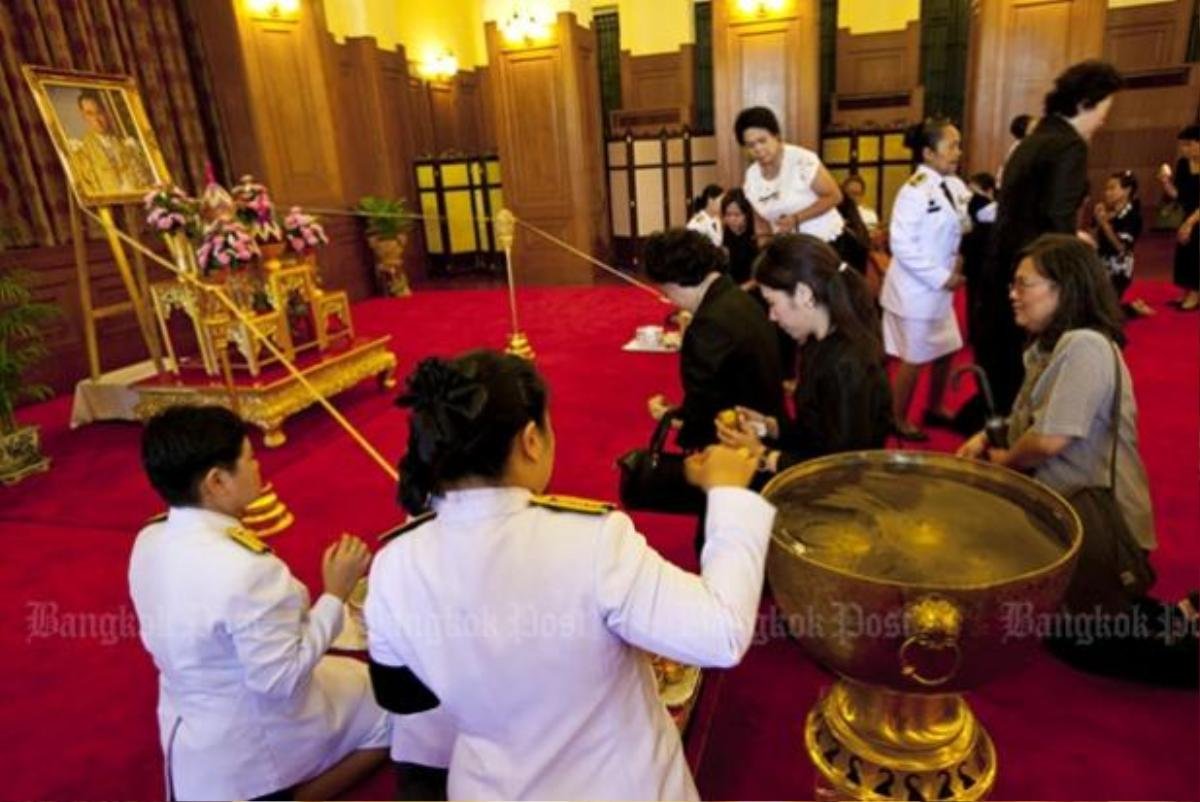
{"x":1024,"y":285}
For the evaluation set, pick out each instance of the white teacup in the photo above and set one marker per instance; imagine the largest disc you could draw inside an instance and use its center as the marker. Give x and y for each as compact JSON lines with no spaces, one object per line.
{"x":650,"y":336}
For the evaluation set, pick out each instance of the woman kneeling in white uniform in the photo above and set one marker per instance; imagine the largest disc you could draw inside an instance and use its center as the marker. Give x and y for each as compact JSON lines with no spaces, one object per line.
{"x":928,"y":220}
{"x":249,"y":706}
{"x":526,"y":615}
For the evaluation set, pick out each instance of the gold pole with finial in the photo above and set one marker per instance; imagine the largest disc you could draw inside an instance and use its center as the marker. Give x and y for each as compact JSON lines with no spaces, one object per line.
{"x":518,"y":344}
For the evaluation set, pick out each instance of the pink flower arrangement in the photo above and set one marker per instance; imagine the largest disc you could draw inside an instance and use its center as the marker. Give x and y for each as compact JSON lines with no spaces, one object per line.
{"x":226,"y":245}
{"x":303,"y":232}
{"x":255,"y":210}
{"x":170,"y":211}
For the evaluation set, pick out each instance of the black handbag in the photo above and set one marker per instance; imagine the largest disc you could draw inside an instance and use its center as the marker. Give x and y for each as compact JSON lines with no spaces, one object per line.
{"x":1113,"y":570}
{"x":654,"y":480}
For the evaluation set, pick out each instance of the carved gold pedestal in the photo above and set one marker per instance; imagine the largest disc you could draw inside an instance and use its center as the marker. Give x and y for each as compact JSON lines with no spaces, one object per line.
{"x":870,"y":743}
{"x":267,"y":515}
{"x":268,"y":403}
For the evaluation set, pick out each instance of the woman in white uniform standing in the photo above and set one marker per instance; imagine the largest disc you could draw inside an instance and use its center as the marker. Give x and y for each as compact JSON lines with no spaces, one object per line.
{"x":249,"y":704}
{"x":525,"y":616}
{"x":929,"y":218}
{"x":790,"y":189}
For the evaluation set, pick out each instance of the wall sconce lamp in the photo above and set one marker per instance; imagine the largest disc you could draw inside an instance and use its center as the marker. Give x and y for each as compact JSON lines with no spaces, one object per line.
{"x":761,"y":8}
{"x":440,"y":66}
{"x":274,"y":10}
{"x":526,"y":26}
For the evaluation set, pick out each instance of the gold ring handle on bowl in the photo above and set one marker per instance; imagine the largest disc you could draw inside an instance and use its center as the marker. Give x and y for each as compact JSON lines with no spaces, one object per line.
{"x":934,"y":623}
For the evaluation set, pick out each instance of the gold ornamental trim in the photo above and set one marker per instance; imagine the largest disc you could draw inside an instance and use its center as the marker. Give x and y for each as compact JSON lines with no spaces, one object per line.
{"x":267,"y":406}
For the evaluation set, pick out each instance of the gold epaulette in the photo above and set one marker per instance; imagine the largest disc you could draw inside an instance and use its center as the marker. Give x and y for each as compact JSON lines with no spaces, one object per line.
{"x":247,"y":539}
{"x":916,"y":179}
{"x":156,"y":519}
{"x":584,"y":506}
{"x":407,"y":526}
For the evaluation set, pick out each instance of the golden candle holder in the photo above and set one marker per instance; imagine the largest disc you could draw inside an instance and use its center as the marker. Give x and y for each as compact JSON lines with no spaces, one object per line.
{"x":518,"y":345}
{"x":267,"y":515}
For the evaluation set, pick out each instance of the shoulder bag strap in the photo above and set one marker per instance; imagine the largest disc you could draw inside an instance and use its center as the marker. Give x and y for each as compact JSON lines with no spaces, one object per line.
{"x":1115,"y":422}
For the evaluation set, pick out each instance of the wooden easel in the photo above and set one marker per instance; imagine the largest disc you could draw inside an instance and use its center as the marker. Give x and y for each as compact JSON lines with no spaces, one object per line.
{"x":134,"y":279}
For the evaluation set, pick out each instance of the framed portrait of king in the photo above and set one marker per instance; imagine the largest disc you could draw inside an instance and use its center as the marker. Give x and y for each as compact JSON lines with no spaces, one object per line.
{"x":101,"y":133}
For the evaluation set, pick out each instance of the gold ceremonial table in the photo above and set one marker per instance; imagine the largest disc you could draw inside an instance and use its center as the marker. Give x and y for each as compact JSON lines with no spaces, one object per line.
{"x":274,"y":395}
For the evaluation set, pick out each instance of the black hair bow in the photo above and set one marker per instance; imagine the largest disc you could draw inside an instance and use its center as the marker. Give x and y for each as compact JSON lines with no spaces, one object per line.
{"x":446,"y":401}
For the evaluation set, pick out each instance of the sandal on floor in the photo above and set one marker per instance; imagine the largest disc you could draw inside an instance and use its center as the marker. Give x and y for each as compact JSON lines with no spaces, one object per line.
{"x":1142,"y":309}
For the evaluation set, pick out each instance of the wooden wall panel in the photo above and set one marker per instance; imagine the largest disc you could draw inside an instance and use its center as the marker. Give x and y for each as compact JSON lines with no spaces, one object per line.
{"x":546,"y":101}
{"x":292,"y":107}
{"x":584,"y":110}
{"x":876,"y":63}
{"x":1147,"y":37}
{"x":421,"y":121}
{"x":1028,"y":42}
{"x":773,"y":62}
{"x":469,"y":110}
{"x":533,"y":80}
{"x":659,"y":81}
{"x":487,"y":112}
{"x":444,"y":110}
{"x":364,"y":145}
{"x":878,"y":78}
{"x":396,"y":120}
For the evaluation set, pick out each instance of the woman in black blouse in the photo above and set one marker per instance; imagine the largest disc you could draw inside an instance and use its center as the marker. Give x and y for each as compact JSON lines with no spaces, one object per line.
{"x":737,"y":219}
{"x":1184,"y":187}
{"x":843,"y":398}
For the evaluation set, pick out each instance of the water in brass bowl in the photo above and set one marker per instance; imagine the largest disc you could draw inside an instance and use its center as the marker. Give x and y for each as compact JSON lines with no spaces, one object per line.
{"x":907,"y":573}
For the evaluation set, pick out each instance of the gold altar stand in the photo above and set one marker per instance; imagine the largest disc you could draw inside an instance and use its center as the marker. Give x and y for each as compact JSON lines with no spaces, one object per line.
{"x":270,"y":398}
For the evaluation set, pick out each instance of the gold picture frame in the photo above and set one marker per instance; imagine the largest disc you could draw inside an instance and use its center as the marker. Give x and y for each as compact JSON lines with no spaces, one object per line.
{"x":101,"y":133}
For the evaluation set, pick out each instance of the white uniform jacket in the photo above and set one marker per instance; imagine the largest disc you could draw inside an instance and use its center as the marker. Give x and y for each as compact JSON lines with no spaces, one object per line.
{"x":524,"y":621}
{"x":926,"y":228}
{"x":704,"y":223}
{"x":247,"y":705}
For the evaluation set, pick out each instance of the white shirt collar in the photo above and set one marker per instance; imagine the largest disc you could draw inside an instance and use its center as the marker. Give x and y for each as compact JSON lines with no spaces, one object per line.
{"x":934,"y":174}
{"x":200,"y":518}
{"x":481,"y":502}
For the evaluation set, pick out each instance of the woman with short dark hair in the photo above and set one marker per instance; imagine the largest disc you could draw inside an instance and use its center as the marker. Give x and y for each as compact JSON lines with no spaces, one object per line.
{"x":790,"y":189}
{"x":1044,"y":184}
{"x":1062,"y":432}
{"x":729,"y":354}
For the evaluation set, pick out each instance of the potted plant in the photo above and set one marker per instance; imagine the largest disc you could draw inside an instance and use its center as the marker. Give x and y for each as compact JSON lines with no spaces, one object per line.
{"x":22,"y":343}
{"x":388,"y":223}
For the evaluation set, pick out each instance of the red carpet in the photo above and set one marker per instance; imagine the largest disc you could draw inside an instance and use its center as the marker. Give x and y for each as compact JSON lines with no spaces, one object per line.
{"x":79,"y":722}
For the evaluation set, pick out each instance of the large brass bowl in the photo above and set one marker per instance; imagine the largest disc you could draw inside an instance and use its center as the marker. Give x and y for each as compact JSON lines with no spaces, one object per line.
{"x":913,"y":576}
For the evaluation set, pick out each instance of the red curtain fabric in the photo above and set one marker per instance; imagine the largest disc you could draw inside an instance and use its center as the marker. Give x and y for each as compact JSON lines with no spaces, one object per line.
{"x":145,"y":40}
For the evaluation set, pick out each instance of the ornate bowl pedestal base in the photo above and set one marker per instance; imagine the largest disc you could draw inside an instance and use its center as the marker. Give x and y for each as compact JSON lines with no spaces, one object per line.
{"x":871,"y":743}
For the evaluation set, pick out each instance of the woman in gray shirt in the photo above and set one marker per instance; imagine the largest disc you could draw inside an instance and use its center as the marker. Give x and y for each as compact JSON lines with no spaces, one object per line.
{"x":1061,"y":432}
